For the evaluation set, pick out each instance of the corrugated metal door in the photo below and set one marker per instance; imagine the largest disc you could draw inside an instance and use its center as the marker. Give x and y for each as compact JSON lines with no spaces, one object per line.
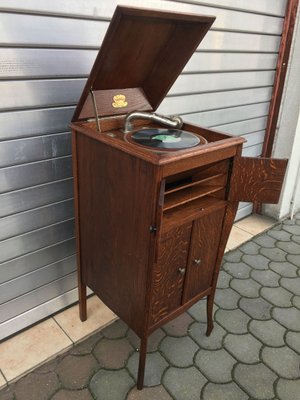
{"x":47,"y":50}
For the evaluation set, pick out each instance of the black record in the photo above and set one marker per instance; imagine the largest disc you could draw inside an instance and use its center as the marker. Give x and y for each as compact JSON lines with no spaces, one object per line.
{"x":165,"y":138}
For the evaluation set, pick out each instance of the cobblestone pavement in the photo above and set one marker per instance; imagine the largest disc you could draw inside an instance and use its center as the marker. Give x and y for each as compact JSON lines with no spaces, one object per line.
{"x":252,"y":353}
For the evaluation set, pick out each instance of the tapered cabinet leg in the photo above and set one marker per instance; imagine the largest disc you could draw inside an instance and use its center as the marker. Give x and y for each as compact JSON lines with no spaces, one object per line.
{"x":209,"y":310}
{"x":142,"y":361}
{"x":82,"y":302}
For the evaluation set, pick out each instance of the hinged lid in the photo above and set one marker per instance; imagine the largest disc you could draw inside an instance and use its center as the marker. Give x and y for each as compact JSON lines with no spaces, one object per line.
{"x":141,"y":56}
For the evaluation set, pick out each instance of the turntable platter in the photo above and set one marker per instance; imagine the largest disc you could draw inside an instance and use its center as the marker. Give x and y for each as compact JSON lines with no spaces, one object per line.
{"x":165,"y":139}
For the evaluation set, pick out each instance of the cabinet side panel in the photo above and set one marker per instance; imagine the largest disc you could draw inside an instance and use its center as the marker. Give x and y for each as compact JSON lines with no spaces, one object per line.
{"x":117,"y":193}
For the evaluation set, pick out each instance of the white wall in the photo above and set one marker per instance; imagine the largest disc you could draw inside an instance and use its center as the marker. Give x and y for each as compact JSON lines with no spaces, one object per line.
{"x":287,"y":142}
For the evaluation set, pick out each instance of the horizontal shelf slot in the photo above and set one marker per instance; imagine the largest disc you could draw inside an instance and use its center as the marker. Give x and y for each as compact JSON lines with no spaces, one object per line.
{"x":191,"y":182}
{"x":189,"y":194}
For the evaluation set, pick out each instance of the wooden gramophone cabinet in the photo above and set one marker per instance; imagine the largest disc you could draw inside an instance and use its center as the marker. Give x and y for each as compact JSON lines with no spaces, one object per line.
{"x":152,"y":226}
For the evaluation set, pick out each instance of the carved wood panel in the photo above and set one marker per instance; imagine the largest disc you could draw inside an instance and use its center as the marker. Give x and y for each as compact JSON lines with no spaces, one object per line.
{"x":204,"y":247}
{"x":169,"y":271}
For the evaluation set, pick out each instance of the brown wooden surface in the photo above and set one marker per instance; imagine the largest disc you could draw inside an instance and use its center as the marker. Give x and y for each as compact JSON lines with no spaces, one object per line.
{"x":141,"y":48}
{"x":281,"y":70}
{"x":135,"y":99}
{"x":204,"y":245}
{"x":115,"y":218}
{"x":257,"y":179}
{"x":190,"y":211}
{"x":167,"y":281}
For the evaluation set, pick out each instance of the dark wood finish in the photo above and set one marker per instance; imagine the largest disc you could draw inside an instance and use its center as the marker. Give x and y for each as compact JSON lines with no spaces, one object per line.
{"x":134,"y":100}
{"x":257,"y":179}
{"x":281,"y":70}
{"x":169,"y":271}
{"x":143,"y":217}
{"x":141,"y":48}
{"x":113,"y":217}
{"x":202,"y":256}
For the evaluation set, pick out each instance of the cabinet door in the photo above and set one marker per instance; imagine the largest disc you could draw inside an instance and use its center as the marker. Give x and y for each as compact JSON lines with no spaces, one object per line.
{"x":203,"y":253}
{"x":257,"y":179}
{"x":169,"y":272}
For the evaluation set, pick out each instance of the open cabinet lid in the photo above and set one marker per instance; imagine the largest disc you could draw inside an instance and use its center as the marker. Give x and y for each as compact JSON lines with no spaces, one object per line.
{"x":141,"y":56}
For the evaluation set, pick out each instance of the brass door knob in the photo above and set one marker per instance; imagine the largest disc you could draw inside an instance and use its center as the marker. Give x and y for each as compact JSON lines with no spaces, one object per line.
{"x":197,"y":261}
{"x":181,"y":271}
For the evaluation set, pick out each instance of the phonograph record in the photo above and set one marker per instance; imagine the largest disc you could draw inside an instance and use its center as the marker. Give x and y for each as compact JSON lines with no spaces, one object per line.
{"x":155,"y":197}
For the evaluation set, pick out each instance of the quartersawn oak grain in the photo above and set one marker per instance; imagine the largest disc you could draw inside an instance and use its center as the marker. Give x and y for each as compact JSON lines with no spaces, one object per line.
{"x":151,"y":228}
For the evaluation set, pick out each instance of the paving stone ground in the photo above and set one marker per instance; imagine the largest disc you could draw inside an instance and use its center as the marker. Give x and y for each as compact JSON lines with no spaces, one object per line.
{"x":253,"y":352}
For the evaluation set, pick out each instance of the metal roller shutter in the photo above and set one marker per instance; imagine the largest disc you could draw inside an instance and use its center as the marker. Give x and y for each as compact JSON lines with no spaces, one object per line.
{"x":47,"y":50}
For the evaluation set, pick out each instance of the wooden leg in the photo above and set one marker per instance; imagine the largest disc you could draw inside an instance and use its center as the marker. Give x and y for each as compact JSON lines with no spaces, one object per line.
{"x":209,"y":310}
{"x":82,"y":301}
{"x":142,"y":361}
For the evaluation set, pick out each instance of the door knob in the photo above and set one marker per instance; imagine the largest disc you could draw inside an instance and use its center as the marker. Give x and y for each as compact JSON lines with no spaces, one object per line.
{"x":181,"y":271}
{"x":197,"y":261}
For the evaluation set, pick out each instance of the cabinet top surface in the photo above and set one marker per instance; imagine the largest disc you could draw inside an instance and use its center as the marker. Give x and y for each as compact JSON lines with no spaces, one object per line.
{"x":141,"y":56}
{"x":217,"y":146}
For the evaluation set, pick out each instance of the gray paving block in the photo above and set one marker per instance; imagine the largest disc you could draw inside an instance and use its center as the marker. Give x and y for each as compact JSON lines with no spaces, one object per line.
{"x":215,"y":365}
{"x":112,"y":353}
{"x":246,"y":287}
{"x":274,"y":254}
{"x":296,"y":301}
{"x":293,"y":341}
{"x":111,"y":385}
{"x":87,"y":345}
{"x":265,"y":241}
{"x":237,"y":270}
{"x":151,"y":393}
{"x":198,"y":311}
{"x":74,"y":372}
{"x":223,"y":391}
{"x":36,"y":386}
{"x":64,"y":394}
{"x":250,"y":248}
{"x":184,"y":384}
{"x":153,"y":340}
{"x":289,"y":317}
{"x":296,"y":238}
{"x":294,"y":259}
{"x":223,"y":280}
{"x":289,"y":247}
{"x":227,"y":298}
{"x":154,"y":369}
{"x":269,"y":332}
{"x":179,"y":351}
{"x":277,"y":296}
{"x":284,"y":269}
{"x":265,"y":277}
{"x":288,"y":389}
{"x":178,"y":326}
{"x":211,"y":342}
{"x":279,"y":235}
{"x":256,"y":261}
{"x":256,"y":308}
{"x":115,"y":330}
{"x":233,"y":256}
{"x":257,"y":380}
{"x":282,"y":360}
{"x":245,"y":348}
{"x":234,"y":321}
{"x":291,"y":284}
{"x":293,"y":229}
